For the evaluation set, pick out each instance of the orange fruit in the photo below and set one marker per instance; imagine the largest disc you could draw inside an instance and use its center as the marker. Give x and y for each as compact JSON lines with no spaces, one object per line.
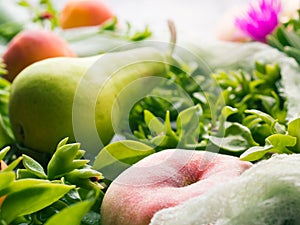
{"x":80,"y":13}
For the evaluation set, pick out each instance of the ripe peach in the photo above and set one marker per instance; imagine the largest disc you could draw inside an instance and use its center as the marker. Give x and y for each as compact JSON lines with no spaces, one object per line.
{"x":30,"y":46}
{"x":79,"y":13}
{"x":163,"y":180}
{"x":2,"y":166}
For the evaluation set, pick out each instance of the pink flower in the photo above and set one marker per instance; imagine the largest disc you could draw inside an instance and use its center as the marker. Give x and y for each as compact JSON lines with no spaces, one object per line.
{"x":260,"y":19}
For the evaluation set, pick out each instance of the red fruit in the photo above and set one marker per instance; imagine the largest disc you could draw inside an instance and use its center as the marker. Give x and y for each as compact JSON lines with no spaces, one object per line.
{"x":30,"y":46}
{"x":163,"y":180}
{"x":79,"y":13}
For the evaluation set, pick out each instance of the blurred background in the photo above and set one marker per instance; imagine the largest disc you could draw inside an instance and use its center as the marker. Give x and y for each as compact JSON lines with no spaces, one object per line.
{"x":193,"y":17}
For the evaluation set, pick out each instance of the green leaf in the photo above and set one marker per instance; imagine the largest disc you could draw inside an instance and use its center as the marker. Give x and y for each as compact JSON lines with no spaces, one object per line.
{"x":80,"y":154}
{"x":225,"y":113}
{"x":292,"y":38}
{"x":273,"y":41}
{"x":118,"y":156}
{"x":187,"y":125}
{"x":109,"y":25}
{"x":276,"y":143}
{"x":237,"y":138}
{"x":62,"y":142}
{"x":71,"y":215}
{"x":260,"y":67}
{"x":6,"y":179}
{"x":171,"y":135}
{"x":141,"y":35}
{"x":64,"y":160}
{"x":251,"y":121}
{"x":19,"y":185}
{"x":256,"y":153}
{"x":84,"y":178}
{"x":13,"y":164}
{"x":230,"y":143}
{"x":161,"y":140}
{"x":164,"y":141}
{"x":25,"y":173}
{"x":276,"y":127}
{"x":31,"y":199}
{"x":259,"y":130}
{"x":293,"y":52}
{"x":34,"y":167}
{"x":294,"y":130}
{"x":272,"y":72}
{"x":267,"y":101}
{"x":280,"y":35}
{"x":280,"y":142}
{"x":91,"y":218}
{"x":3,"y":152}
{"x":155,"y":126}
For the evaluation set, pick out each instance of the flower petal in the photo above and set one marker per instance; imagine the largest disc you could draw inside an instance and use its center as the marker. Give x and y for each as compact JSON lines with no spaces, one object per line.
{"x":260,"y":19}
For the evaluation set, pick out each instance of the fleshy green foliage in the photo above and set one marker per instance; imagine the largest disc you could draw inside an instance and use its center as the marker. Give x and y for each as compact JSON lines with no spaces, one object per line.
{"x":66,"y":163}
{"x":286,"y":38}
{"x":247,"y":116}
{"x":184,"y":88}
{"x":35,"y":196}
{"x":31,"y":199}
{"x":64,"y":160}
{"x":279,"y":142}
{"x":3,"y":152}
{"x":259,"y":90}
{"x":163,"y":135}
{"x":67,"y":214}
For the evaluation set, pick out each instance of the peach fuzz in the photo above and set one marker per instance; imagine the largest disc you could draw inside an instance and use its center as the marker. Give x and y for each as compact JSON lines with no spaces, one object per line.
{"x":163,"y":180}
{"x":80,"y":13}
{"x":30,"y":46}
{"x":2,"y":166}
